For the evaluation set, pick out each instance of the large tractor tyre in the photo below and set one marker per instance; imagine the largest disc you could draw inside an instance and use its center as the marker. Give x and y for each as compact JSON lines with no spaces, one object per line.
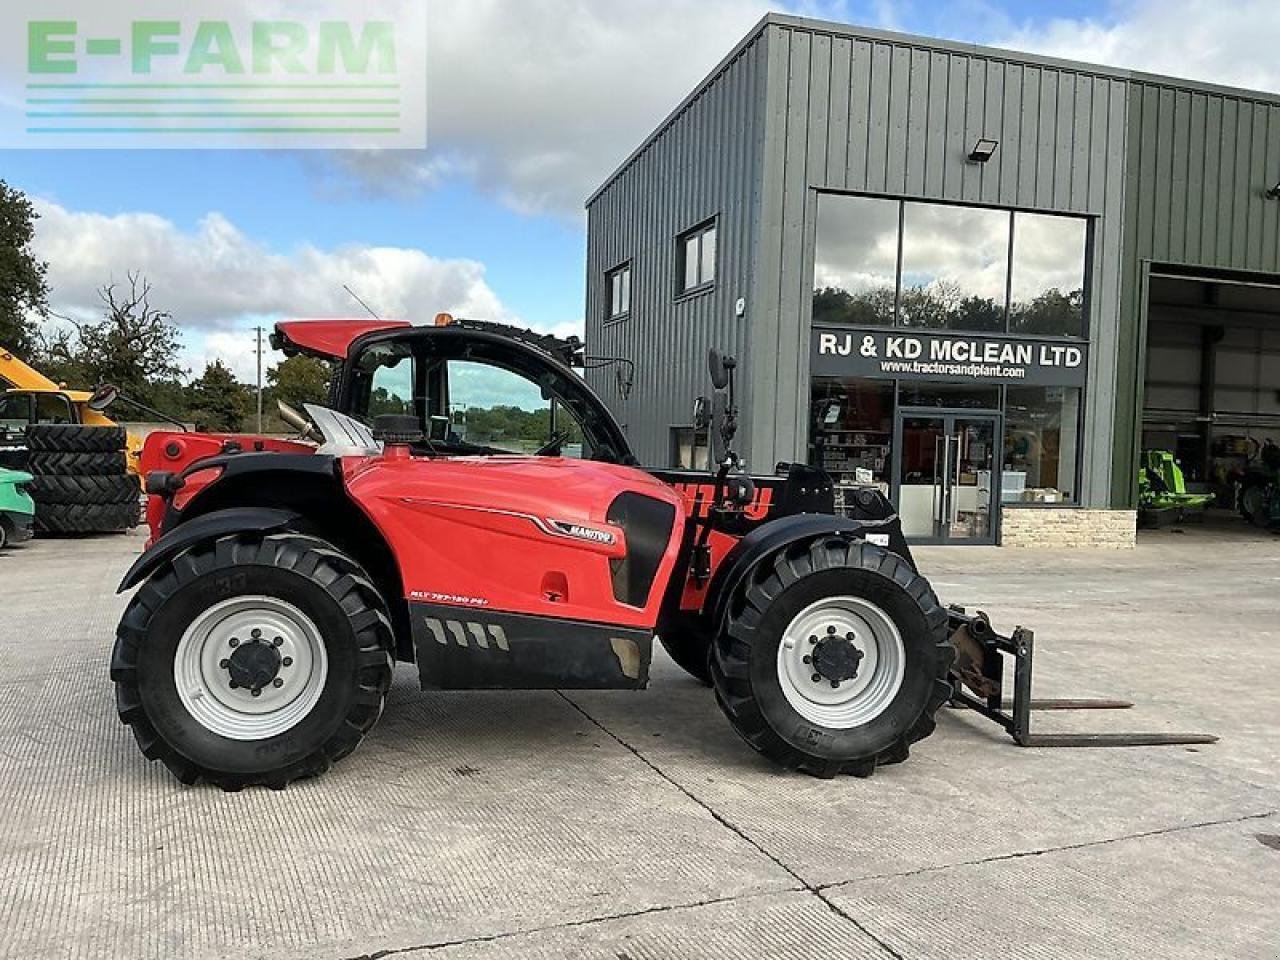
{"x":87,"y":518}
{"x":252,"y":661}
{"x":688,"y":644}
{"x":835,"y":658}
{"x":45,"y":464}
{"x":84,"y":491}
{"x":74,"y":438}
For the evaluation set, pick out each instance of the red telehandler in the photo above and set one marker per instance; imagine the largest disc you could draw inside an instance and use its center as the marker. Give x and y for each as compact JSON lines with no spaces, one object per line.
{"x":284,"y":579}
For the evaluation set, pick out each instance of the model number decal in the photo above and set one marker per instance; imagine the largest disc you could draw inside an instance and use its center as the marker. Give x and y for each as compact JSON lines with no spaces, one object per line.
{"x":453,"y":599}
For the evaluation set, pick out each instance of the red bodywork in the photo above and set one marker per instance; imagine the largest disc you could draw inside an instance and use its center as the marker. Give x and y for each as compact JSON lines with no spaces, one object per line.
{"x":487,"y":532}
{"x":330,"y":339}
{"x":172,"y":452}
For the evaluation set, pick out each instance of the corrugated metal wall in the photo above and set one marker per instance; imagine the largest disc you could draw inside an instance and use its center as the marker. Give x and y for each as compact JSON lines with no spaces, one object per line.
{"x":1199,"y":164}
{"x":705,"y":164}
{"x":1171,"y":172}
{"x":887,"y":116}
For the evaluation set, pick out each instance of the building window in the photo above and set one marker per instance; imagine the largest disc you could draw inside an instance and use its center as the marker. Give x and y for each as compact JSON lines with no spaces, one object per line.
{"x":1047,"y":279}
{"x":856,"y":263}
{"x":1041,"y":445}
{"x":851,"y":430}
{"x":955,"y":264}
{"x":690,"y":449}
{"x":935,"y":266}
{"x":697,"y":250}
{"x":617,"y":284}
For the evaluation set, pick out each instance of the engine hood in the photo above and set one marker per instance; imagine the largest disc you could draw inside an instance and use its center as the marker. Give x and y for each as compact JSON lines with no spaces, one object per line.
{"x":542,"y":487}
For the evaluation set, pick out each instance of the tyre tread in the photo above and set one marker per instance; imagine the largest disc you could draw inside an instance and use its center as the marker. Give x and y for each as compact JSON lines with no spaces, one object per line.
{"x":338,"y":576}
{"x":730,"y":667}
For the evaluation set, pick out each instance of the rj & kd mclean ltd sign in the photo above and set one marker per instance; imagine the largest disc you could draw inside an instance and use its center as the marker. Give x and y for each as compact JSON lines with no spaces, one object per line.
{"x":937,"y":356}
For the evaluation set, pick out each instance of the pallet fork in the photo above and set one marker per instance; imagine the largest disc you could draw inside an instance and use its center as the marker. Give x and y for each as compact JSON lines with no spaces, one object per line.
{"x":980,"y":661}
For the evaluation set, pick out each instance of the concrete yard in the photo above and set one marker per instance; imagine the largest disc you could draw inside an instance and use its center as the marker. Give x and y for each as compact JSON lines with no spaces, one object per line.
{"x":623,"y":825}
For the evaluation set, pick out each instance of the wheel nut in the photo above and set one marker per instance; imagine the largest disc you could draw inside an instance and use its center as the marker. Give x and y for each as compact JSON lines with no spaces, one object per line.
{"x":224,"y":664}
{"x":831,"y":631}
{"x":277,"y":683}
{"x":817,"y":678}
{"x":287,"y":661}
{"x":278,"y":641}
{"x":813,"y":639}
{"x":257,"y":693}
{"x":835,"y":684}
{"x":808,"y":659}
{"x":235,"y":641}
{"x":234,"y":685}
{"x":256,"y":634}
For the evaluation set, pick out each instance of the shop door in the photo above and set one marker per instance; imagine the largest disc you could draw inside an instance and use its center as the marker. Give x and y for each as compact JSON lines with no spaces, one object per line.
{"x":946,"y":483}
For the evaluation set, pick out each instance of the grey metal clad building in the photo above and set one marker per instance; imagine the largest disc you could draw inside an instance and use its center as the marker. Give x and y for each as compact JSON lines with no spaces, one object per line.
{"x":986,"y":281}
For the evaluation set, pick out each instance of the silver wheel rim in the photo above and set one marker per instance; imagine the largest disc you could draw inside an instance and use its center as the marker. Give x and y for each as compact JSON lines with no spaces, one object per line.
{"x":880,"y":670}
{"x":204,"y":683}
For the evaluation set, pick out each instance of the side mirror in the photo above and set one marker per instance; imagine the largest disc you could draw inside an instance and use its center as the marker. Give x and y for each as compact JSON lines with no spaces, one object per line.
{"x":719,"y":371}
{"x":103,"y":397}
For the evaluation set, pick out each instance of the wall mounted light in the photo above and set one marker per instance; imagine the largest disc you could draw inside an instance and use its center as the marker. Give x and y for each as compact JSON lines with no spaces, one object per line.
{"x":1273,"y":193}
{"x":983,"y":150}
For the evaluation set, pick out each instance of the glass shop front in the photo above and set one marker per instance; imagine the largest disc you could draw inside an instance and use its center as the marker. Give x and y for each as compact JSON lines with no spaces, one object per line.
{"x":949,"y":353}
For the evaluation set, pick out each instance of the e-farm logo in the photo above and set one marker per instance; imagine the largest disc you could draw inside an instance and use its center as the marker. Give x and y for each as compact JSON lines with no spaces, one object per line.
{"x":104,"y":78}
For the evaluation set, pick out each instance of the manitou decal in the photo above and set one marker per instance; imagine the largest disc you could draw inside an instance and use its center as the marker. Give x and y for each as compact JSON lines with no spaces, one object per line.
{"x":700,"y":496}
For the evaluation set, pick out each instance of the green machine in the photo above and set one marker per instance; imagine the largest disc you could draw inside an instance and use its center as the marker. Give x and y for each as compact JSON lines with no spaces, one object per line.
{"x":17,"y":509}
{"x":1162,"y":492}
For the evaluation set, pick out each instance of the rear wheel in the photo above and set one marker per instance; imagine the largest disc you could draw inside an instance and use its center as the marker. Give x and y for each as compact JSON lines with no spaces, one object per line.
{"x":835,"y":658}
{"x":252,"y":661}
{"x":690,"y":648}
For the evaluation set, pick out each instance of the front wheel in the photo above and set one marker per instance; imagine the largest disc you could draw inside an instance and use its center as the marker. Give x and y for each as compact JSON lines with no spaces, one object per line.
{"x":253,"y":661}
{"x":835,"y":658}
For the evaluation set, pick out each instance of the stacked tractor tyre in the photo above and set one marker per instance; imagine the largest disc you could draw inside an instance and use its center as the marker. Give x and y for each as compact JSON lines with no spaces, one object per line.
{"x":81,"y":481}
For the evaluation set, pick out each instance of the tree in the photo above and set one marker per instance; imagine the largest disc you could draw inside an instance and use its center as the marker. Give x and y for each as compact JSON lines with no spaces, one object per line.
{"x":216,"y":400}
{"x":1052,"y":312}
{"x":299,"y":380}
{"x":133,"y":346}
{"x":23,"y":288}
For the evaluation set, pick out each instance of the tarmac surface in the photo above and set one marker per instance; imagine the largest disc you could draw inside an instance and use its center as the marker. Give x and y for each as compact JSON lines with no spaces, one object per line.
{"x":637,"y":825}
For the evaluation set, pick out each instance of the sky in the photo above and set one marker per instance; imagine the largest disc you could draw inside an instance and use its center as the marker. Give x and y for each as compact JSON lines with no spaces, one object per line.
{"x":531,"y":104}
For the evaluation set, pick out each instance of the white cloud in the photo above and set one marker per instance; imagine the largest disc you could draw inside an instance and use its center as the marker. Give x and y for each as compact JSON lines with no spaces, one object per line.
{"x":1228,"y":43}
{"x":217,"y":282}
{"x":537,"y":102}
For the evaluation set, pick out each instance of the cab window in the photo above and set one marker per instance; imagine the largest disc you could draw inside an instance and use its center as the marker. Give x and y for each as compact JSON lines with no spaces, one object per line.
{"x":385,"y":382}
{"x":53,"y":408}
{"x":493,"y":407}
{"x":15,"y":414}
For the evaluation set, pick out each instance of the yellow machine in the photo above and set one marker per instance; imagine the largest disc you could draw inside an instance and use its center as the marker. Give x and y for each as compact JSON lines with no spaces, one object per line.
{"x":34,"y":398}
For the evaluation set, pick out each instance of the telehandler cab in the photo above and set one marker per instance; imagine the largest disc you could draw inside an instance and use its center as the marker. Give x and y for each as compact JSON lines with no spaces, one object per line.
{"x":284,"y":580}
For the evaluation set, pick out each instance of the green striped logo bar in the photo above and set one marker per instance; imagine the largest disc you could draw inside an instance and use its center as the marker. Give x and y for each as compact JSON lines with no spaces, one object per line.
{"x":339,"y":74}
